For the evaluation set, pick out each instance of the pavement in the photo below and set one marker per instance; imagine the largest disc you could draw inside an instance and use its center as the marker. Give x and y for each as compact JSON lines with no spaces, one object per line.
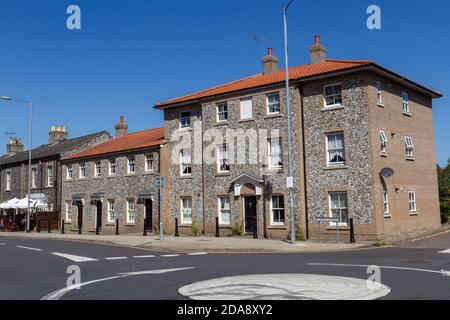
{"x":200,"y":244}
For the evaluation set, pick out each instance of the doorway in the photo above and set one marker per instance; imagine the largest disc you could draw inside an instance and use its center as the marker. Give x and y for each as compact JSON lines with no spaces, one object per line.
{"x":148,"y":214}
{"x":99,"y":215}
{"x":80,"y":215}
{"x":250,"y":214}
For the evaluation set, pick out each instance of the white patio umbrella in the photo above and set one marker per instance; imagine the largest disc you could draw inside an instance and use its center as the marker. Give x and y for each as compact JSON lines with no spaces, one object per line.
{"x":10,"y":204}
{"x":23,"y":204}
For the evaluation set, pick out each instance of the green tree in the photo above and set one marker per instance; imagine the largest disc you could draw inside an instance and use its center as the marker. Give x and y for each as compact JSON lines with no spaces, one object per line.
{"x":444,"y":191}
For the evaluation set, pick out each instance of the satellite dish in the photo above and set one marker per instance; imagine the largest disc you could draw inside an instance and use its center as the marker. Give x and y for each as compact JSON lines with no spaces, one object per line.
{"x":387,"y":172}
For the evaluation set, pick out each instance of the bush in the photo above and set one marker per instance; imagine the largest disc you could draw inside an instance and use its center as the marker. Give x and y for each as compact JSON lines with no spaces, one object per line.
{"x":194,"y":230}
{"x":238,"y":230}
{"x":445,"y":211}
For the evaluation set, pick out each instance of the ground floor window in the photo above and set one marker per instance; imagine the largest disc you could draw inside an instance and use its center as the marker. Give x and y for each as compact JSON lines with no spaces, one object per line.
{"x":277,"y":210}
{"x":131,"y":213}
{"x":186,"y":210}
{"x":111,"y":211}
{"x":386,"y":202}
{"x":412,"y":201}
{"x":224,"y":211}
{"x":68,"y":211}
{"x":338,"y":206}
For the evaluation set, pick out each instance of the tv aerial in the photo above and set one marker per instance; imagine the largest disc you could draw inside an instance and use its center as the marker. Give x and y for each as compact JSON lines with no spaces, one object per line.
{"x":10,"y":135}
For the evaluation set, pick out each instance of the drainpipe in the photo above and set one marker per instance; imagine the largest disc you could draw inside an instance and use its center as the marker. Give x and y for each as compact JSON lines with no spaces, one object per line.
{"x":304,"y":163}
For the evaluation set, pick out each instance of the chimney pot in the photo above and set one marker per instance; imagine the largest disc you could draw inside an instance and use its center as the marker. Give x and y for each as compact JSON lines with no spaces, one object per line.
{"x":269,"y":51}
{"x":316,"y":39}
{"x":121,"y":120}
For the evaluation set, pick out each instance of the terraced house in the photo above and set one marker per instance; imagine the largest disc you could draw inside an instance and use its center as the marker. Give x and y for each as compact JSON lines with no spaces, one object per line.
{"x":113,"y":181}
{"x":363,"y":150}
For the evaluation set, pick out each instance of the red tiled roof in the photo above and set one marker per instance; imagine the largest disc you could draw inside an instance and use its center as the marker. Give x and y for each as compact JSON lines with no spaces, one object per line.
{"x":128,"y":142}
{"x":260,"y":80}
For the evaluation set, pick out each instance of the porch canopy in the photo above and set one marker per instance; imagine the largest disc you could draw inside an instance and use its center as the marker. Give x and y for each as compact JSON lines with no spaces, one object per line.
{"x":147,"y":194}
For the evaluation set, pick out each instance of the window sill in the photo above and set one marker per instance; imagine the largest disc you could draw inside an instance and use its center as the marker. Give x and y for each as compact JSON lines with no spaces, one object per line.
{"x":68,"y":223}
{"x":388,"y":216}
{"x":222,"y":123}
{"x":130,"y":175}
{"x":246,"y":120}
{"x":185,"y":177}
{"x":410,"y":159}
{"x":110,"y":224}
{"x":67,"y":180}
{"x":332,"y":108}
{"x":383,"y":154}
{"x":184,"y":129}
{"x":273,"y":116}
{"x":413,"y":214}
{"x":111,"y":177}
{"x":149,"y":173}
{"x":407,"y":114}
{"x":341,"y":228}
{"x":222,"y":174}
{"x":225,"y":226}
{"x":275,"y":227}
{"x":336,"y":167}
{"x":380,"y":104}
{"x":185,"y":225}
{"x":130,"y":225}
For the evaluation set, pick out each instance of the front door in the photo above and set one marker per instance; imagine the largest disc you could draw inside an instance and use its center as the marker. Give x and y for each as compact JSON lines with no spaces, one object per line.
{"x":250,"y":212}
{"x":99,"y":215}
{"x":80,"y":215}
{"x":149,"y":214}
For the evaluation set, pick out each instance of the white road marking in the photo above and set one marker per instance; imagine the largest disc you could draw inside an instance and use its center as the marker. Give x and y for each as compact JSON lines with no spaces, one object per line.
{"x":170,"y":255}
{"x":197,"y":254}
{"x":2,"y":244}
{"x":143,"y":257}
{"x":73,"y":257}
{"x":58,"y":294}
{"x":445,"y":251}
{"x":28,"y":248}
{"x":116,"y":258}
{"x":382,"y":267}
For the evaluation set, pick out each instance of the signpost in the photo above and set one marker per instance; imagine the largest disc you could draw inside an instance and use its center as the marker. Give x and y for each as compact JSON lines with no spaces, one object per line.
{"x":159,"y":183}
{"x":330,"y":220}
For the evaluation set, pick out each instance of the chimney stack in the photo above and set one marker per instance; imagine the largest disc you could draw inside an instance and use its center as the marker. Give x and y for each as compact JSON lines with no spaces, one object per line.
{"x":317,"y":51}
{"x":270,"y":62}
{"x":121,"y":128}
{"x":57,"y":134}
{"x":14,"y":146}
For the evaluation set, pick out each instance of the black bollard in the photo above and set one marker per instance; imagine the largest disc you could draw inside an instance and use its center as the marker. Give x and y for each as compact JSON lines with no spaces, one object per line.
{"x":49,"y":226}
{"x":255,"y":233}
{"x":176,"y":228}
{"x":79,"y":229}
{"x":352,"y":231}
{"x":97,"y":230}
{"x":145,"y":227}
{"x":38,"y":227}
{"x":62,"y":227}
{"x":117,"y":227}
{"x":217,"y":228}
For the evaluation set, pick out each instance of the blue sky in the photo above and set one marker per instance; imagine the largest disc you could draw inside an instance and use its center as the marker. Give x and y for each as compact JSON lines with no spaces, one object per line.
{"x":131,"y":54}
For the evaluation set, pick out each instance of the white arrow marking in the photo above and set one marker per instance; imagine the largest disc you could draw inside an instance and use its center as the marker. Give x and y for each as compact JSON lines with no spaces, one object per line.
{"x":73,"y":258}
{"x":445,"y":273}
{"x":366,"y":266}
{"x":58,"y":294}
{"x":445,"y":251}
{"x":28,"y":248}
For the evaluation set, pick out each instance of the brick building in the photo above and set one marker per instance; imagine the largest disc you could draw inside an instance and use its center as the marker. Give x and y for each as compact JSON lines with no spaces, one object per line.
{"x":363,"y":149}
{"x":113,"y":181}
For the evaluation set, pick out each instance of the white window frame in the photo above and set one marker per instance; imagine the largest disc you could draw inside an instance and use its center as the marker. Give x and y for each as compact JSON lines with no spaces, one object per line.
{"x":69,"y":172}
{"x":269,"y":153}
{"x":97,"y":169}
{"x":8,"y":181}
{"x":224,"y":211}
{"x":412,"y":202}
{"x":379,"y":93}
{"x":383,"y":141}
{"x":51,"y":176}
{"x":82,"y":170}
{"x":150,"y":158}
{"x":221,"y":156}
{"x":131,"y":163}
{"x":34,"y":172}
{"x":386,"y":208}
{"x":112,"y":167}
{"x":186,"y":165}
{"x":131,"y":211}
{"x":327,"y":141}
{"x":272,"y":209}
{"x":183,"y":118}
{"x":336,"y":96}
{"x":224,"y":112}
{"x":69,"y":211}
{"x":242,"y":102}
{"x":409,"y":144}
{"x":184,"y":210}
{"x":271,"y":104}
{"x":340,"y":193}
{"x":405,"y":102}
{"x":112,"y":211}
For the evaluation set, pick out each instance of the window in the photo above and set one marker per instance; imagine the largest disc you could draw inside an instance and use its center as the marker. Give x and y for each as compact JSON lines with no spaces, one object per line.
{"x":275,"y":156}
{"x":149,"y":162}
{"x":69,"y":172}
{"x":223,"y":161}
{"x":277,"y":210}
{"x":68,"y":211}
{"x":224,"y":211}
{"x":379,"y":93}
{"x":185,"y":162}
{"x":50,"y":175}
{"x":131,"y":165}
{"x":112,"y":167}
{"x":186,"y":210}
{"x":386,"y":202}
{"x":409,"y":147}
{"x":111,"y":212}
{"x":8,"y":180}
{"x":185,"y":119}
{"x":82,"y":170}
{"x":383,"y":141}
{"x":405,"y":102}
{"x":333,"y":96}
{"x":246,"y":109}
{"x":131,"y":214}
{"x":412,"y":201}
{"x":338,"y":206}
{"x":98,"y":169}
{"x":222,"y":112}
{"x":273,"y":103}
{"x":34,"y":178}
{"x":336,"y":149}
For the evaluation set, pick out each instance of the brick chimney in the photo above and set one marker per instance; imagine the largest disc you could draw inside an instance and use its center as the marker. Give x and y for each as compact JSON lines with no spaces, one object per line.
{"x":317,"y":51}
{"x":121,"y":128}
{"x":57,"y":134}
{"x":14,"y":146}
{"x":270,"y":62}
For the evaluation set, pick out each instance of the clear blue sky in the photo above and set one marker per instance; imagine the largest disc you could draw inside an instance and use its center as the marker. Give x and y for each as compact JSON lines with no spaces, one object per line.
{"x":131,"y":54}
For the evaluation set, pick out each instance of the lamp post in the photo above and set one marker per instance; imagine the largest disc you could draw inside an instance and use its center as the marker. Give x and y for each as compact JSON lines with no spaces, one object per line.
{"x":290,"y":179}
{"x":30,"y":106}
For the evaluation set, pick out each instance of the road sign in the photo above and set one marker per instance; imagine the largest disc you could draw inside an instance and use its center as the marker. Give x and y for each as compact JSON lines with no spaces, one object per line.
{"x":159,"y":182}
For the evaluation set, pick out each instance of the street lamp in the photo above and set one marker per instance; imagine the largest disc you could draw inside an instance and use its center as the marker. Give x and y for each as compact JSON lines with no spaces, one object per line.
{"x":30,"y":106}
{"x":290,"y":178}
